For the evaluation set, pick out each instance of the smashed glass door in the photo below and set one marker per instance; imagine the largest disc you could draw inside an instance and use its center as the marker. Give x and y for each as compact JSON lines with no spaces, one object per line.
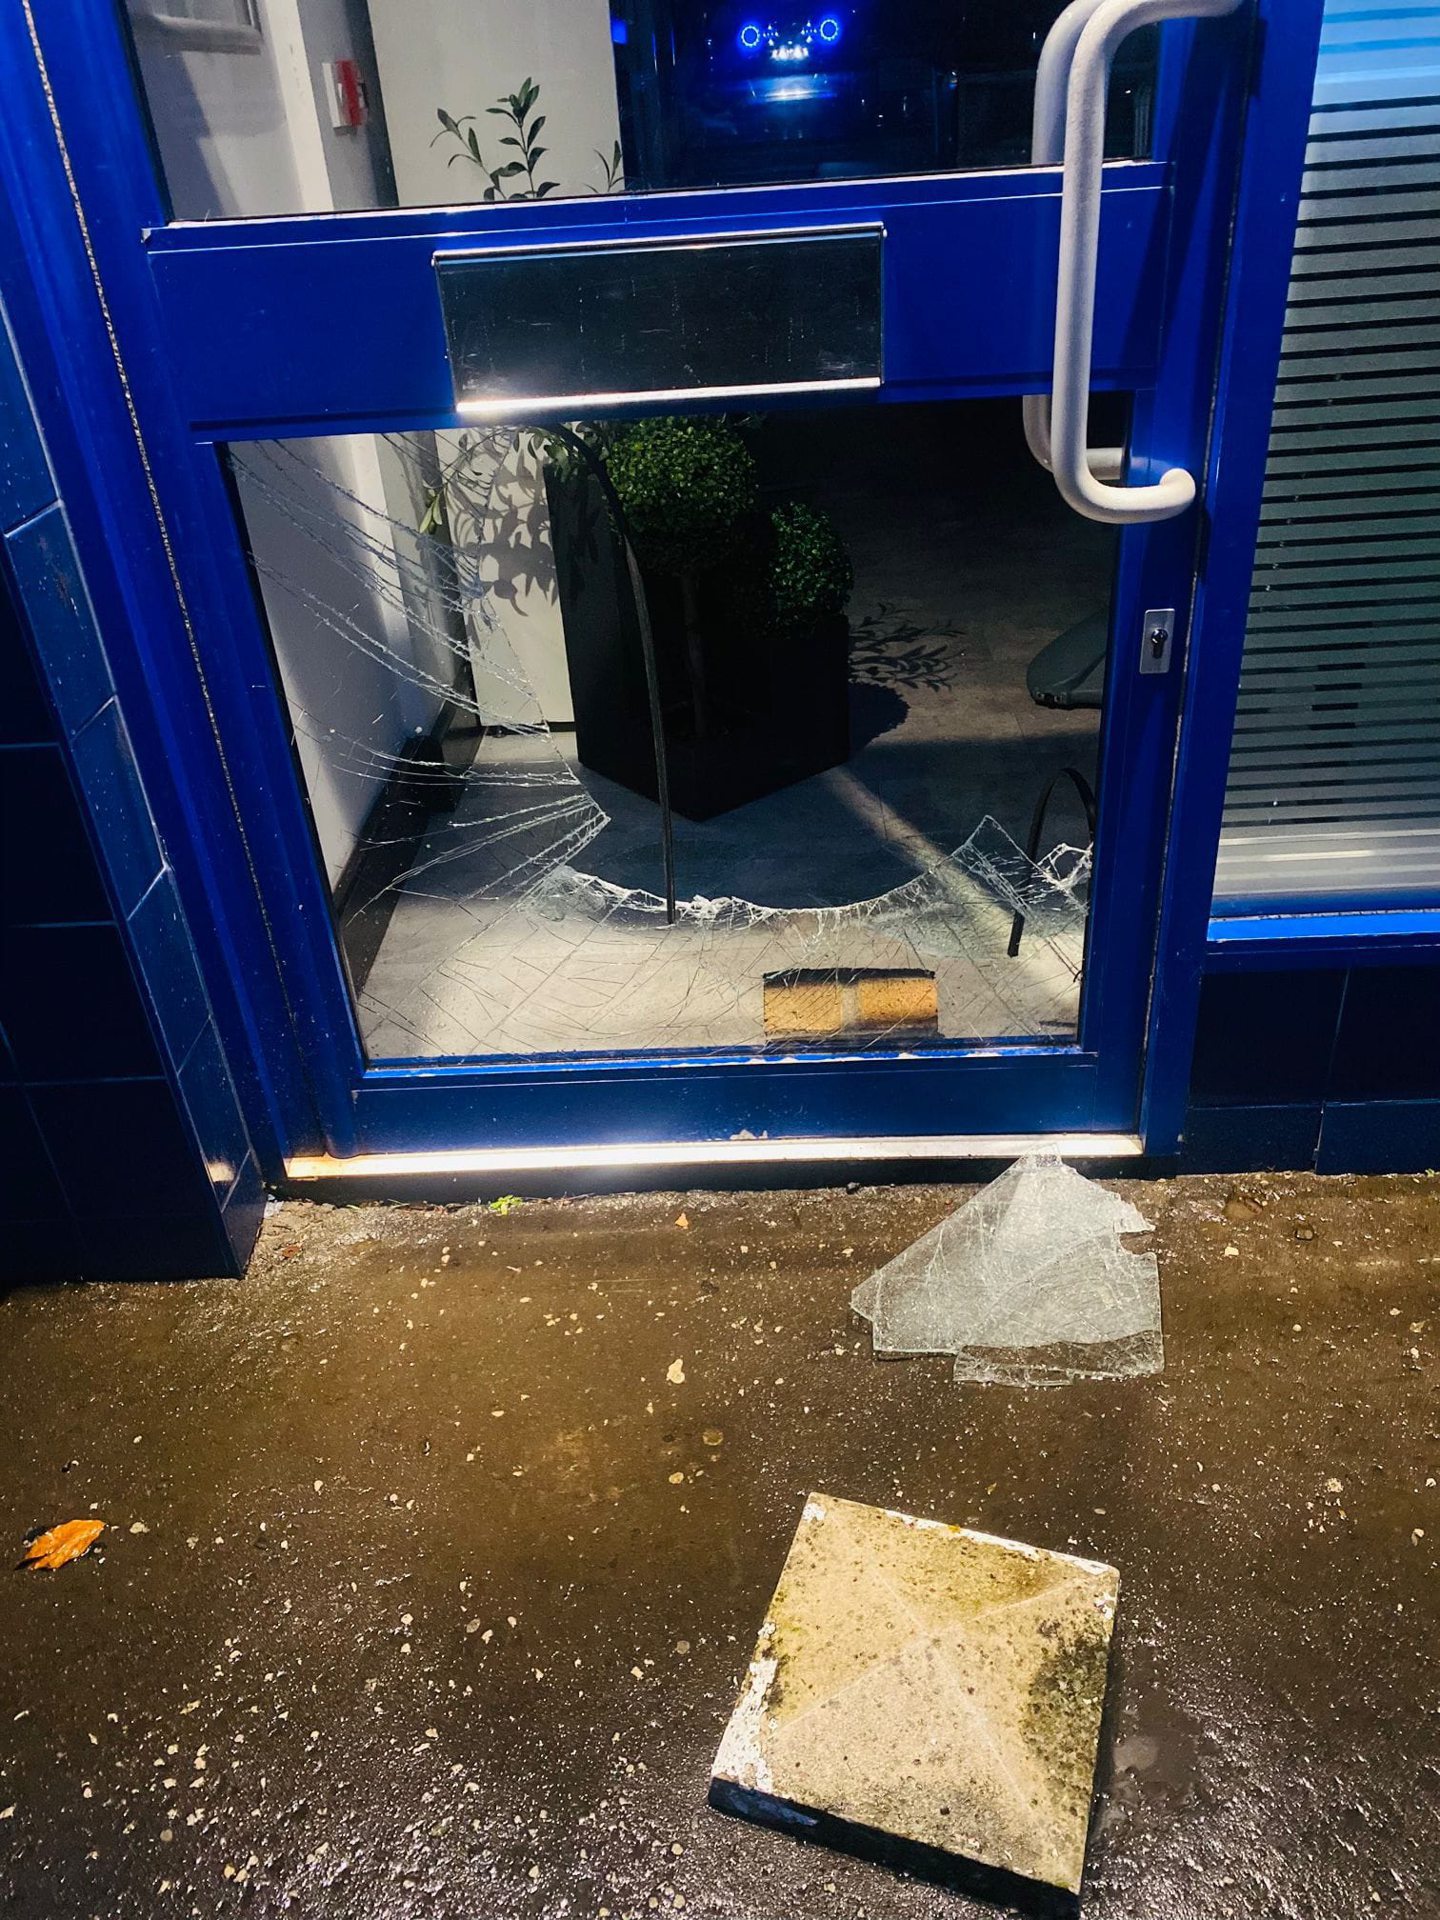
{"x":711,"y":725}
{"x":863,"y":648}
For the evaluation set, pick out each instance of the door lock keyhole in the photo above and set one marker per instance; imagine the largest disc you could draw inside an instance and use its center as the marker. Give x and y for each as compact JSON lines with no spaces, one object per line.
{"x":1158,"y":629}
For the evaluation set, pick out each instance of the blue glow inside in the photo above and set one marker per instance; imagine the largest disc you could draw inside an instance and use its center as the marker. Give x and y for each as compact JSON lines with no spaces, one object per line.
{"x":829,"y":29}
{"x":749,"y":37}
{"x":620,"y":32}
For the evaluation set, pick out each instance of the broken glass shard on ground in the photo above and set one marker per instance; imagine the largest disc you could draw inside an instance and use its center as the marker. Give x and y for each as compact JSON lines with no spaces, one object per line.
{"x":1027,"y":1284}
{"x":919,"y":1689}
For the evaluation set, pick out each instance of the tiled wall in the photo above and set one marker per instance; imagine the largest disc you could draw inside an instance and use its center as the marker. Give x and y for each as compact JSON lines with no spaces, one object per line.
{"x":1333,"y":1068}
{"x":123,"y":1152}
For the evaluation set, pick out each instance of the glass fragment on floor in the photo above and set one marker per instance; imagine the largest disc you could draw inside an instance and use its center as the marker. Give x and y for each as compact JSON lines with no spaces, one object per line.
{"x":1027,"y":1284}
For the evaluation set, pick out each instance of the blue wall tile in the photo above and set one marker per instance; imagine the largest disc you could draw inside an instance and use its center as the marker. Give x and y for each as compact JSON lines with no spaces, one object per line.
{"x":25,"y":483}
{"x":245,"y":1208}
{"x":1265,"y":1039}
{"x":166,"y":957}
{"x":1380,"y":1136}
{"x":24,"y":711}
{"x":30,"y":1188}
{"x":122,"y":1148}
{"x":153,"y":1246}
{"x":49,"y":585}
{"x":71,"y":1006}
{"x":1389,"y":1041}
{"x":1249,"y":1139}
{"x":105,"y":767}
{"x":47,"y":1248}
{"x":47,"y":869}
{"x":1354,"y":1057}
{"x":209,"y":1098}
{"x":101,"y":1174}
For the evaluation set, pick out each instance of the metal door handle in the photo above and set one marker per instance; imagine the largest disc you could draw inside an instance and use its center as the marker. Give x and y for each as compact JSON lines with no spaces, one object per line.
{"x":1070,"y":88}
{"x":1047,"y":149}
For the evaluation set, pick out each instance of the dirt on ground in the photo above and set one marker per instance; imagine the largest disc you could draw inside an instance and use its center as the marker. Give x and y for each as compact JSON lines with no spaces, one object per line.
{"x":436,"y":1547}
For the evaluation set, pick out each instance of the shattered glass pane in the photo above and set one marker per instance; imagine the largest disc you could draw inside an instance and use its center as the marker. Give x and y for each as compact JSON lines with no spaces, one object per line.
{"x":1027,"y":1284}
{"x":497,"y":896}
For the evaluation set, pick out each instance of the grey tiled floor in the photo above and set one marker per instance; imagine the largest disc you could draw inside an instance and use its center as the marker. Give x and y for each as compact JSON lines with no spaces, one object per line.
{"x":518,"y":930}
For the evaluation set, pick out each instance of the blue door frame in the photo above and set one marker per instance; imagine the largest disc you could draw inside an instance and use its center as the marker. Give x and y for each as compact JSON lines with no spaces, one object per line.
{"x":162,"y":342}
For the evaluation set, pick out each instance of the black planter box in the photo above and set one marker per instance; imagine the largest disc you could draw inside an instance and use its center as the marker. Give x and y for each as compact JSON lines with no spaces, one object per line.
{"x":776,"y":711}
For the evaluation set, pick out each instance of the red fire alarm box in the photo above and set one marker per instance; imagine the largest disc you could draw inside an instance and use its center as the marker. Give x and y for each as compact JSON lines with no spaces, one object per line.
{"x":346,"y":90}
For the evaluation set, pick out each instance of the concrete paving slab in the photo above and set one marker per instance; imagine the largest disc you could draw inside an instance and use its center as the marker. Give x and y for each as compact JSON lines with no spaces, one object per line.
{"x":927,"y":1684}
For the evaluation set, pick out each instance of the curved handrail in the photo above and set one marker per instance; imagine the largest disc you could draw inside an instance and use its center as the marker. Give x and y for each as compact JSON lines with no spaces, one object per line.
{"x":1073,"y":464}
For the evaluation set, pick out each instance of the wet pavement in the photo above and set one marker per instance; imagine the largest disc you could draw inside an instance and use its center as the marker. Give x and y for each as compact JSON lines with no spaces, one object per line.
{"x":437,"y":1546}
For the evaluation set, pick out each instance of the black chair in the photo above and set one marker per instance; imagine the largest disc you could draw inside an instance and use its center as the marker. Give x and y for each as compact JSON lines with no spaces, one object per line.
{"x":1069,"y":671}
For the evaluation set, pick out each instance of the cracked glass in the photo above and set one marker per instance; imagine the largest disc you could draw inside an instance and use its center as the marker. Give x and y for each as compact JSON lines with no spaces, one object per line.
{"x":1028,"y":1284}
{"x":867,"y":640}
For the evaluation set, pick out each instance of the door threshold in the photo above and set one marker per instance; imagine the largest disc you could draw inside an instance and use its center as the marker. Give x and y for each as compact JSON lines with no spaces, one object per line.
{"x":614,"y":1160}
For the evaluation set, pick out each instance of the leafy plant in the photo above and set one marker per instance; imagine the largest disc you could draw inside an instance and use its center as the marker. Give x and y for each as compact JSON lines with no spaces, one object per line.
{"x":518,"y":111}
{"x":514,"y":178}
{"x":688,"y":490}
{"x":558,"y":451}
{"x":612,"y":164}
{"x":686,"y":487}
{"x":811,"y":576}
{"x":432,"y":520}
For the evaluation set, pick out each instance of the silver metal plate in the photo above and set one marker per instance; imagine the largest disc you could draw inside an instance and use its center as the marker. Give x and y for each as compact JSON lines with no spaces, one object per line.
{"x":540,"y":332}
{"x":1157,"y":640}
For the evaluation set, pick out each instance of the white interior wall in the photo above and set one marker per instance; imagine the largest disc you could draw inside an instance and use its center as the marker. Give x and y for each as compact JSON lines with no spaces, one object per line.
{"x":247,"y":133}
{"x":305,"y":34}
{"x":219,"y":120}
{"x":462,"y":57}
{"x":350,"y":712}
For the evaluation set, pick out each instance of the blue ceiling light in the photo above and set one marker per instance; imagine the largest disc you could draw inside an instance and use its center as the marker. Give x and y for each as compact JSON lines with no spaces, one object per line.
{"x":749,"y":37}
{"x":829,"y":29}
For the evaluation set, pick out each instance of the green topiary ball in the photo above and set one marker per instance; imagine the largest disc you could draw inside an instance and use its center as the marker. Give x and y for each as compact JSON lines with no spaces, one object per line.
{"x":686,"y":487}
{"x":810,"y":572}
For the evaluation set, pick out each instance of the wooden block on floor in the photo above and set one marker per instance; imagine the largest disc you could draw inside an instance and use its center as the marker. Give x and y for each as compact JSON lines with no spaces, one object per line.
{"x":801,"y":1003}
{"x":905,"y":1001}
{"x":929,"y":1696}
{"x":851,"y":1000}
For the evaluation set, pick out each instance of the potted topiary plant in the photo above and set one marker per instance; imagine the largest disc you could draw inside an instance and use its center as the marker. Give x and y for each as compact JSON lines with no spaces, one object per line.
{"x":746,"y":606}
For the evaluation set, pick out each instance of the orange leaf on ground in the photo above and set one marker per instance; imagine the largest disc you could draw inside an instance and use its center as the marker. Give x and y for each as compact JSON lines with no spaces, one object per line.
{"x":59,"y":1545}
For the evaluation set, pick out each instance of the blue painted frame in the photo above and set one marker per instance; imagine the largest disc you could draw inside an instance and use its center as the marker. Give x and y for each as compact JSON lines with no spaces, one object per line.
{"x":175,"y":573}
{"x":1266,"y":209}
{"x":967,"y":262}
{"x":1247,"y":943}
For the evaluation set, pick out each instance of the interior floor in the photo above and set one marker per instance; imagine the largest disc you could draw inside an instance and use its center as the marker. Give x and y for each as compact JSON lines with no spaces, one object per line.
{"x":520,"y":928}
